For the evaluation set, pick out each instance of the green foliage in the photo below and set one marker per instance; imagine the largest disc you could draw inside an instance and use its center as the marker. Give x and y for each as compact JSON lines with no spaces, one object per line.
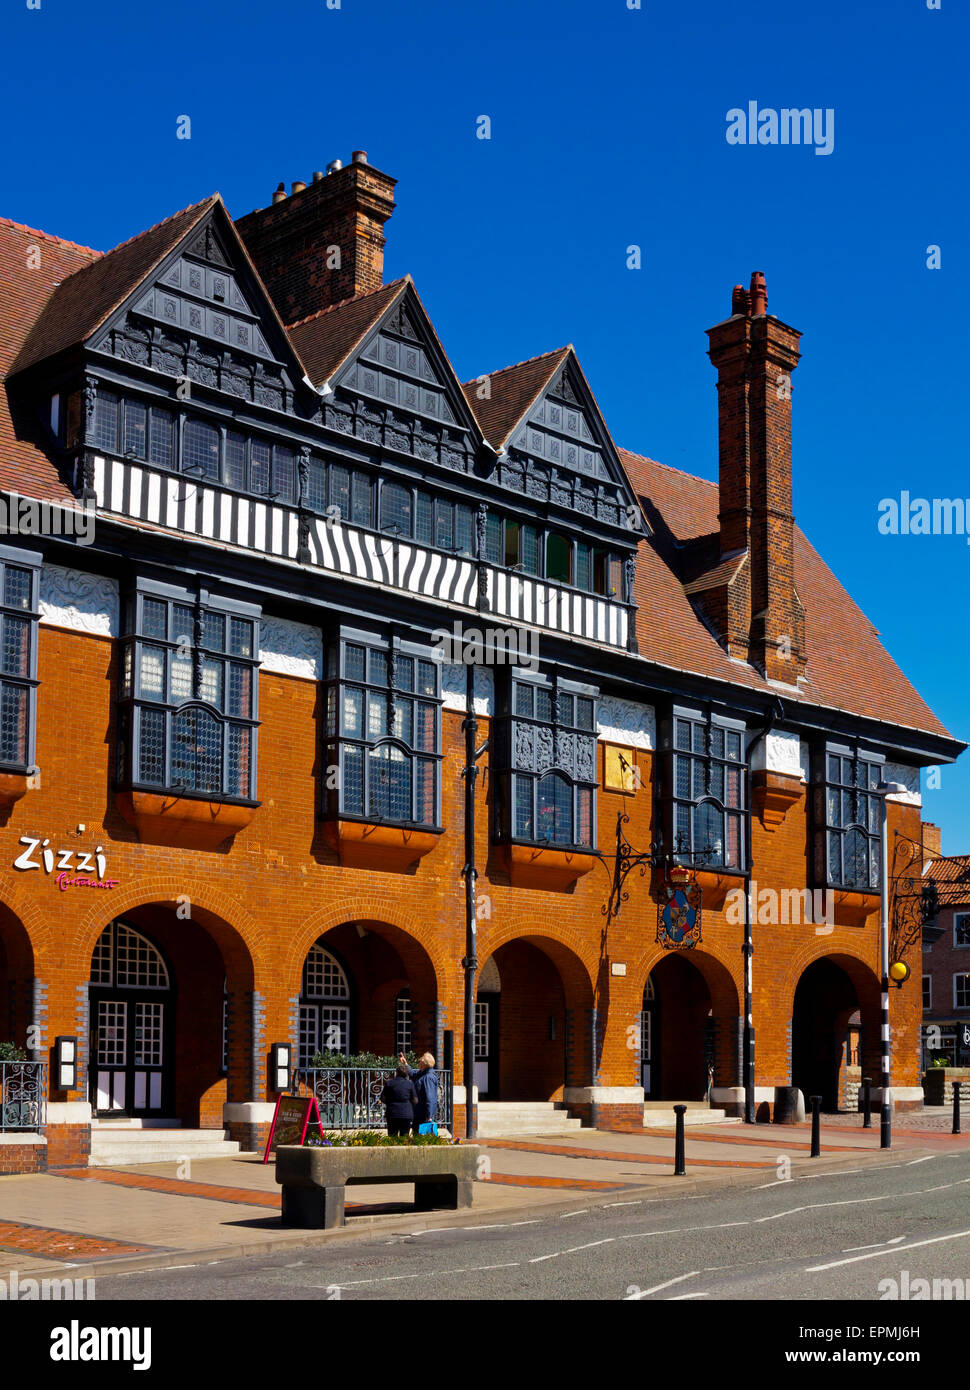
{"x":360,"y":1059}
{"x":941,"y":1061}
{"x":10,"y":1052}
{"x":372,"y":1139}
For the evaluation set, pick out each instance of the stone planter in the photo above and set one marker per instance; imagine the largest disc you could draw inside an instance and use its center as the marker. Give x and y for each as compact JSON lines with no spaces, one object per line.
{"x":938,"y":1085}
{"x":314,"y":1180}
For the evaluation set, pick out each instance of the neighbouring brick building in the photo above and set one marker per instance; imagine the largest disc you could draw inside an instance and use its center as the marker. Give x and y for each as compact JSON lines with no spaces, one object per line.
{"x":946,"y":962}
{"x":232,"y":804}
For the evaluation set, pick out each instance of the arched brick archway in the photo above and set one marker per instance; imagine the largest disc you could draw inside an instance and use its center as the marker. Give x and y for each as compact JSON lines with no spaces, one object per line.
{"x":380,"y":960}
{"x":17,"y":974}
{"x":690,"y":1020}
{"x":199,"y":1035}
{"x":828,"y":992}
{"x":534,"y":1018}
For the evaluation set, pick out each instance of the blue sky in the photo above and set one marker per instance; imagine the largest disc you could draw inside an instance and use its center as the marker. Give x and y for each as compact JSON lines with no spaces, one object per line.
{"x":607,"y":130}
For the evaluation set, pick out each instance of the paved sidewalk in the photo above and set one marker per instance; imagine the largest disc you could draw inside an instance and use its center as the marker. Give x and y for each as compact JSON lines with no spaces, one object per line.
{"x":80,"y":1220}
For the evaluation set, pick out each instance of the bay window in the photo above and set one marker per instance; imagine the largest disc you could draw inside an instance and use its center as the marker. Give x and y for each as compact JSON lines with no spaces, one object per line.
{"x":383,"y":729}
{"x":19,"y":616}
{"x":545,"y":759}
{"x":704,"y":789}
{"x":848,"y":818}
{"x":189,"y":694}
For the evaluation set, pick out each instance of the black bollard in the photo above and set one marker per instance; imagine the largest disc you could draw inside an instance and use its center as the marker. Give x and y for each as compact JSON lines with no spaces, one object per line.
{"x":680,"y":1161}
{"x":866,"y":1103}
{"x":956,"y":1107}
{"x":816,"y":1131}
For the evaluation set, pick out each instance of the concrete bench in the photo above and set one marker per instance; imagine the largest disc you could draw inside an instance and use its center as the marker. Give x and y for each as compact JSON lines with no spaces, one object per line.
{"x":315,"y":1179}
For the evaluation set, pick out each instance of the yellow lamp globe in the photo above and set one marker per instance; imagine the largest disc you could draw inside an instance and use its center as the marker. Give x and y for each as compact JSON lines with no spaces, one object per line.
{"x":899,"y":972}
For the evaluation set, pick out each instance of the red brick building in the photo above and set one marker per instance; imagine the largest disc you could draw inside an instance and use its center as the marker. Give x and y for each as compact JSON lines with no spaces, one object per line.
{"x":946,"y":962}
{"x":231,"y":752}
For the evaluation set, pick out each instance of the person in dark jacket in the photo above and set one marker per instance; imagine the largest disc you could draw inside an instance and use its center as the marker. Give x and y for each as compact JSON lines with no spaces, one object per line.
{"x":425,"y":1080}
{"x":399,"y":1099}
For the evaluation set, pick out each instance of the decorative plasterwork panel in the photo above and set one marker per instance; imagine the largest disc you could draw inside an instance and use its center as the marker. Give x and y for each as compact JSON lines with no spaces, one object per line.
{"x":781,"y":752}
{"x":79,"y":600}
{"x":624,"y":721}
{"x":291,"y":649}
{"x":453,"y":688}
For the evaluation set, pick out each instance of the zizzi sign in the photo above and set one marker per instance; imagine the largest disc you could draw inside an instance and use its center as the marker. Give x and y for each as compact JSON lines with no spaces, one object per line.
{"x":69,"y":873}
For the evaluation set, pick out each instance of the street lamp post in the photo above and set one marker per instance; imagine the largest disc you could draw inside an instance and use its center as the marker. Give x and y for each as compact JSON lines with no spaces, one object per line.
{"x":885,"y":790}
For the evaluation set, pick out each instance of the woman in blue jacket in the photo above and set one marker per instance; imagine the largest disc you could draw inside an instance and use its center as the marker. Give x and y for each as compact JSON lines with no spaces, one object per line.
{"x":425,"y":1080}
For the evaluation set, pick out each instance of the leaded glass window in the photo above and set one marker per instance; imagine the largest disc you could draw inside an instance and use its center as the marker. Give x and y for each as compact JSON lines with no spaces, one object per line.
{"x":383,"y":731}
{"x":849,"y":819}
{"x":546,"y":756}
{"x":19,"y":598}
{"x":705,"y":790}
{"x":188,"y":718}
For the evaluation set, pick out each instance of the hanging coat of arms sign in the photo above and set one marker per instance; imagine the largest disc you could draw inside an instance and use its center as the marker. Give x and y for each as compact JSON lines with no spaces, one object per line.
{"x":679,"y":910}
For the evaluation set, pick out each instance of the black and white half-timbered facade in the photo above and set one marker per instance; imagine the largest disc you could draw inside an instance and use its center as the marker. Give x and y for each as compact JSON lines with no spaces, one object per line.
{"x":280,"y":529}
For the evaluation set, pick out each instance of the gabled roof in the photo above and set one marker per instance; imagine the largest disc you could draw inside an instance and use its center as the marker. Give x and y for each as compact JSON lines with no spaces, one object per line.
{"x":330,"y":339}
{"x":325,"y":340}
{"x":25,"y":287}
{"x":85,"y":299}
{"x":512,"y":392}
{"x":848,"y":667}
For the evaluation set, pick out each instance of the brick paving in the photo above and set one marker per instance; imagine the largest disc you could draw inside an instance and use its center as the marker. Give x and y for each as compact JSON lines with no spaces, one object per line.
{"x":63,"y":1245}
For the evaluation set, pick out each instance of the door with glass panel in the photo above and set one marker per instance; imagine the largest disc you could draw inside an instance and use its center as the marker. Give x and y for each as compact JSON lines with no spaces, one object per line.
{"x":131,"y":1017}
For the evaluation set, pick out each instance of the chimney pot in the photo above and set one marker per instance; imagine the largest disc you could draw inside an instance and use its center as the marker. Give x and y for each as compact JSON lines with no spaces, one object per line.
{"x":359,"y":157}
{"x":739,"y":300}
{"x":317,"y":175}
{"x":759,"y":295}
{"x":292,"y":246}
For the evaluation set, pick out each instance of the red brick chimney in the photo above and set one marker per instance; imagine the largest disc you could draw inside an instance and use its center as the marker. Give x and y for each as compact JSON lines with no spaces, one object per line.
{"x":758,"y":613}
{"x":932,"y":841}
{"x":324,"y":242}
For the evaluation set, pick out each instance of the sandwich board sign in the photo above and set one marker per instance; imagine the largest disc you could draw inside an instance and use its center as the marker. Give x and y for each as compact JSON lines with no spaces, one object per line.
{"x":294,"y":1115}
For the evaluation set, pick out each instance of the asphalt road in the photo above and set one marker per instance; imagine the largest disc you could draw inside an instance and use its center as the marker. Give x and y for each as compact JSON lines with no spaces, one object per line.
{"x":832,"y":1237}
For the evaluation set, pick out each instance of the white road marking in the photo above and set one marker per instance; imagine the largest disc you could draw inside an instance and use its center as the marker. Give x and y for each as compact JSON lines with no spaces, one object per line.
{"x":913,"y":1161}
{"x":622,"y":1204}
{"x":582,"y":1212}
{"x":645,"y":1293}
{"x":896,"y":1250}
{"x":682,"y":1297}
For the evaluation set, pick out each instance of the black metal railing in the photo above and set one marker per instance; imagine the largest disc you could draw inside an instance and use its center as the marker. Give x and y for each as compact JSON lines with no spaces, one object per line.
{"x":23,"y":1096}
{"x":350,"y":1097}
